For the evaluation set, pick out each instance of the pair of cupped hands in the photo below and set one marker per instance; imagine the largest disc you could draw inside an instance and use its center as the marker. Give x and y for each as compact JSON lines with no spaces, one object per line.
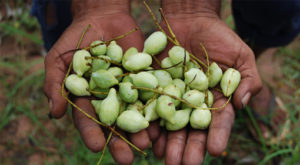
{"x":186,"y":146}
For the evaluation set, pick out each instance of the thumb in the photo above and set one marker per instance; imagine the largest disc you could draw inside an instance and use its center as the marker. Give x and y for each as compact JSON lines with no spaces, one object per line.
{"x":250,"y":80}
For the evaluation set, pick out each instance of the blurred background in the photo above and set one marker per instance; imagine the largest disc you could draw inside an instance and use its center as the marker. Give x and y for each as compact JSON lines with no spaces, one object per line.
{"x":28,"y":136}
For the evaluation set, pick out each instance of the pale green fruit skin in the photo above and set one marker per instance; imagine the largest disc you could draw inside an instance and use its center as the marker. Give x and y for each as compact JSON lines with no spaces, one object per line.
{"x":136,"y":106}
{"x":98,"y":50}
{"x":176,"y":55}
{"x":116,"y":71}
{"x":80,"y":63}
{"x":145,"y":95}
{"x":194,"y":97}
{"x":137,"y":62}
{"x":150,"y":112}
{"x":128,"y":94}
{"x":101,"y":96}
{"x":132,"y":121}
{"x":115,"y":52}
{"x":92,"y":85}
{"x":155,"y":43}
{"x":96,"y":104}
{"x":230,"y":81}
{"x":77,"y":85}
{"x":164,"y":78}
{"x":162,"y":122}
{"x":191,"y":65}
{"x":173,"y":90}
{"x":144,"y":79}
{"x":109,"y":108}
{"x":200,"y":82}
{"x":165,"y":108}
{"x":200,"y":119}
{"x":210,"y":98}
{"x":181,"y":119}
{"x":180,"y":84}
{"x":176,"y":72}
{"x":127,"y":79}
{"x":215,"y":75}
{"x":100,"y":64}
{"x":129,"y":52}
{"x":104,"y":79}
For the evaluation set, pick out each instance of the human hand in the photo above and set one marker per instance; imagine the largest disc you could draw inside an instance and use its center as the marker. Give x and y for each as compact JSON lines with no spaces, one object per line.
{"x":109,"y":19}
{"x":195,"y":22}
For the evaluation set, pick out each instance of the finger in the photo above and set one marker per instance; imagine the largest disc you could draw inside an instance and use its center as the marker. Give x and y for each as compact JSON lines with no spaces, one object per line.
{"x":120,"y":151}
{"x":250,"y":83}
{"x":220,"y":127}
{"x":195,"y":147}
{"x":175,"y":146}
{"x":90,"y":131}
{"x":159,"y":145}
{"x":140,"y":139}
{"x":153,"y":130}
{"x":56,"y":66}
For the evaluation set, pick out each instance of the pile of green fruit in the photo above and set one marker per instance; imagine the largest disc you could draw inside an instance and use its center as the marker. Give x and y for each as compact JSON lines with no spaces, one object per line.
{"x":131,"y":93}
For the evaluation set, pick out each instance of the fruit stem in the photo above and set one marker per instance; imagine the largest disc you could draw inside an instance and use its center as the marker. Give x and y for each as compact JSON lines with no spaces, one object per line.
{"x":70,"y":66}
{"x":104,"y":125}
{"x":180,"y":99}
{"x":105,"y":146}
{"x":104,"y":59}
{"x":97,"y":92}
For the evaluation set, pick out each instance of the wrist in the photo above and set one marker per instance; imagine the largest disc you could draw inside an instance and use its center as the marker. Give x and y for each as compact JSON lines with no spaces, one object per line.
{"x":191,"y":8}
{"x":81,"y":8}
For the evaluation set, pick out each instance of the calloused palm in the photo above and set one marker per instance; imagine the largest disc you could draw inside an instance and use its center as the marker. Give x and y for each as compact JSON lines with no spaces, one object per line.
{"x":103,"y":27}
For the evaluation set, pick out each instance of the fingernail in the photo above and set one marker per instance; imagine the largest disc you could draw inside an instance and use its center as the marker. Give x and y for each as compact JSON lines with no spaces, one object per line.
{"x":50,"y":104}
{"x":245,"y":99}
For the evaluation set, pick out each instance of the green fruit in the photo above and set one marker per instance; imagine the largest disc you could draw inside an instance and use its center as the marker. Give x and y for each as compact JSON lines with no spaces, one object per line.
{"x":230,"y":81}
{"x":80,"y":63}
{"x":150,"y":112}
{"x":136,"y":106}
{"x":109,"y":108}
{"x":162,"y":122}
{"x":163,"y":77}
{"x":180,"y":84}
{"x":155,"y":43}
{"x":100,"y":64}
{"x":101,"y":96}
{"x":191,"y":65}
{"x":176,"y":72}
{"x":210,"y":98}
{"x":104,"y":79}
{"x":173,"y":90}
{"x":177,"y":54}
{"x":200,"y":119}
{"x":165,"y":108}
{"x":144,"y":79}
{"x":116,"y":71}
{"x":77,"y":85}
{"x":128,"y":94}
{"x":132,"y":121}
{"x":129,"y":52}
{"x":181,"y":119}
{"x":96,"y":104}
{"x":194,"y":97}
{"x":137,"y":62}
{"x":196,"y":79}
{"x":215,"y":75}
{"x":92,"y":85}
{"x":127,"y":79}
{"x":145,"y":95}
{"x":115,"y":52}
{"x":98,"y":50}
